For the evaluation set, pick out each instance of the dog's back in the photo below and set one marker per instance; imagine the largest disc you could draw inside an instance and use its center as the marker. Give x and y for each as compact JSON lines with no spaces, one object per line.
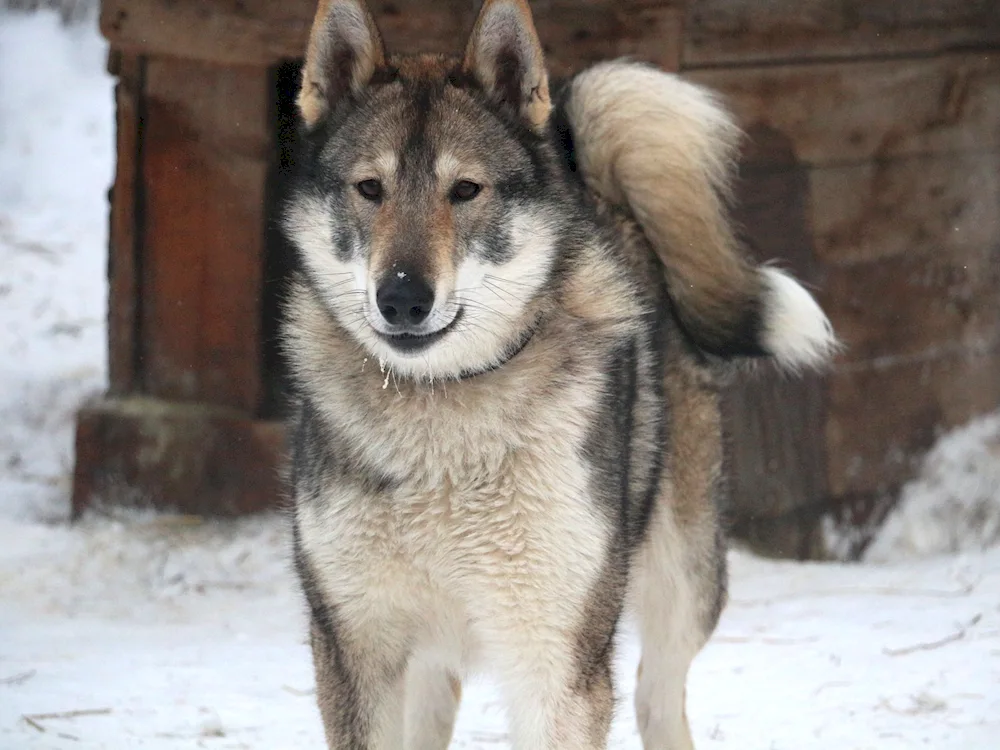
{"x":501,"y":343}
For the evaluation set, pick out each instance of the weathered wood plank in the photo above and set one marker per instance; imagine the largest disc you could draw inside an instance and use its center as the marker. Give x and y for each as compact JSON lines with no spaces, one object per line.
{"x":576,"y":34}
{"x":850,"y":113}
{"x":249,"y":32}
{"x":261,"y":32}
{"x":795,"y":535}
{"x":884,"y":417}
{"x":913,"y":303}
{"x":805,"y":533}
{"x":737,"y":32}
{"x":144,"y":453}
{"x":123,"y":227}
{"x":775,"y":452}
{"x":941,"y":203}
{"x":206,"y":148}
{"x":774,"y":425}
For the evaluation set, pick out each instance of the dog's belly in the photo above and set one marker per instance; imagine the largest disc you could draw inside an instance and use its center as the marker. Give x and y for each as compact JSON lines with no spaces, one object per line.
{"x":476,"y":561}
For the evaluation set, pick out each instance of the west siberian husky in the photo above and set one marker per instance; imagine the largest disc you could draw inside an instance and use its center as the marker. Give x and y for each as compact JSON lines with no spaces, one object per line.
{"x":503,"y":344}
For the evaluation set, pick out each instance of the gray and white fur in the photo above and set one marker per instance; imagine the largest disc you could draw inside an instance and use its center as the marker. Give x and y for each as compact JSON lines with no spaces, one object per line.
{"x":501,"y":342}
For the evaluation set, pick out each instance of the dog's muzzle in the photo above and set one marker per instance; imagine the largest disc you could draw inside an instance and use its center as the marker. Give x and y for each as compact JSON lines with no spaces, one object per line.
{"x":405,"y":301}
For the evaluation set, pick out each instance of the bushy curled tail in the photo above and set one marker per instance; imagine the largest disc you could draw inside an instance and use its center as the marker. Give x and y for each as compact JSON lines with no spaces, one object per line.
{"x":664,"y":148}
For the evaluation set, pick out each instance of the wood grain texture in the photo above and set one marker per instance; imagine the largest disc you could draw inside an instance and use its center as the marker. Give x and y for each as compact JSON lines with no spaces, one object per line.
{"x":774,"y":424}
{"x":144,"y":453}
{"x":872,"y":171}
{"x":263,"y":33}
{"x":855,"y":112}
{"x":913,"y":303}
{"x":741,"y":32}
{"x":884,"y":416}
{"x":243,"y":32}
{"x":206,"y":151}
{"x":576,"y":34}
{"x":947,"y":204}
{"x":125,"y":226}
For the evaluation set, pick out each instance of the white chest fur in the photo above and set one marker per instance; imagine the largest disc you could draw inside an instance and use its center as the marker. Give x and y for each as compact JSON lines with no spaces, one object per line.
{"x":491,"y":516}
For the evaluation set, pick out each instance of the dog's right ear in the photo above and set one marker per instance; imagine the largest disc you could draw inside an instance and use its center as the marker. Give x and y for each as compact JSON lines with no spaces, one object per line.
{"x":344,"y":50}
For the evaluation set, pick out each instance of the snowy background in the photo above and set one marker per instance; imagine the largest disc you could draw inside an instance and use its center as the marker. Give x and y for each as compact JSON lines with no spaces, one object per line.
{"x":165,"y":632}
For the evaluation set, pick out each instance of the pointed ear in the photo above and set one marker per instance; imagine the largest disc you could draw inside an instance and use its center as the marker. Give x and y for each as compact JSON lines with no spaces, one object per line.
{"x":505,"y":56}
{"x":344,"y":50}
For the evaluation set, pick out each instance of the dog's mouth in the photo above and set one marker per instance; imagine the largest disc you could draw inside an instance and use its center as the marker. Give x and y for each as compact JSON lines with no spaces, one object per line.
{"x":411,"y":343}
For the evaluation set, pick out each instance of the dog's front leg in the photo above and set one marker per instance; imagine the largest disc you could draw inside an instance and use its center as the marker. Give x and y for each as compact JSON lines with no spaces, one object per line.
{"x":360,"y":689}
{"x":555,"y":701}
{"x":552,"y":645}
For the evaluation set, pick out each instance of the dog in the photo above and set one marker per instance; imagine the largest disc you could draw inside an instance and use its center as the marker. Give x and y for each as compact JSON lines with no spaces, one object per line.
{"x":505,"y":342}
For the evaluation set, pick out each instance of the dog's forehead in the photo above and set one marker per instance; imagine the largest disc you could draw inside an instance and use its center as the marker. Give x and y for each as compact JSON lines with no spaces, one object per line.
{"x":415,"y":116}
{"x":409,"y":130}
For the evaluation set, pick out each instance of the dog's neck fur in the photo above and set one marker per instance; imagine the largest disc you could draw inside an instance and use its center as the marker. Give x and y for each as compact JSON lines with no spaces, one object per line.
{"x":519,"y":346}
{"x":571,"y":342}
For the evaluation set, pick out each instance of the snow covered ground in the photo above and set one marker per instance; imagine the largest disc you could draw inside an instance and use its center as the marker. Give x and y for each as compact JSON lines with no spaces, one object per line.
{"x":157,"y":632}
{"x":182,"y":636}
{"x":56,"y":159}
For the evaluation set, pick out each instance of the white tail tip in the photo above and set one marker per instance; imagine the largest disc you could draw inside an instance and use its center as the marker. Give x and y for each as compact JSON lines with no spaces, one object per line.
{"x":796,"y":331}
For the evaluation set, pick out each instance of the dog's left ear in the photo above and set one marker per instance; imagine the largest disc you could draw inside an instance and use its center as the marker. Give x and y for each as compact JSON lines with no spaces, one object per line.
{"x":344,"y":50}
{"x":505,"y":56}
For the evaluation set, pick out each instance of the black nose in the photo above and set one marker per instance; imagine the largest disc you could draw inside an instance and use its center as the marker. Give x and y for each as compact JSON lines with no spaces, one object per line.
{"x":404,"y":298}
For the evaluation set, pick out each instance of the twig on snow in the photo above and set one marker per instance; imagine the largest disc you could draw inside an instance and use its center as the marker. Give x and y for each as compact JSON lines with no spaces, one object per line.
{"x":33,"y":724}
{"x":921,"y":703}
{"x":931,"y":645}
{"x":18,"y":679}
{"x":828,"y":685}
{"x":871,"y":591}
{"x":490,"y":737}
{"x":71,"y":714}
{"x":34,"y":720}
{"x":765,"y":640}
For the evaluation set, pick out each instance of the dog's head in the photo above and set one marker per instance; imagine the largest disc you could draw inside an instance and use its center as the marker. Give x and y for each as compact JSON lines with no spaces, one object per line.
{"x":427,"y":213}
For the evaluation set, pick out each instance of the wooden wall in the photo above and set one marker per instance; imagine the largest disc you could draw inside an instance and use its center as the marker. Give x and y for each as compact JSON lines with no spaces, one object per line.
{"x":871,"y":170}
{"x":891,"y":109}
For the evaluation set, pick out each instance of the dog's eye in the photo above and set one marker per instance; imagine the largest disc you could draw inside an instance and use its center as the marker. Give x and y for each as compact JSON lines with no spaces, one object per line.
{"x":465,"y":190}
{"x":370,"y":189}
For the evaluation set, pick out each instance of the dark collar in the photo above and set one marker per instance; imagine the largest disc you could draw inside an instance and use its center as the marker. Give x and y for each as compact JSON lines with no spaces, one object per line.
{"x":520,"y":346}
